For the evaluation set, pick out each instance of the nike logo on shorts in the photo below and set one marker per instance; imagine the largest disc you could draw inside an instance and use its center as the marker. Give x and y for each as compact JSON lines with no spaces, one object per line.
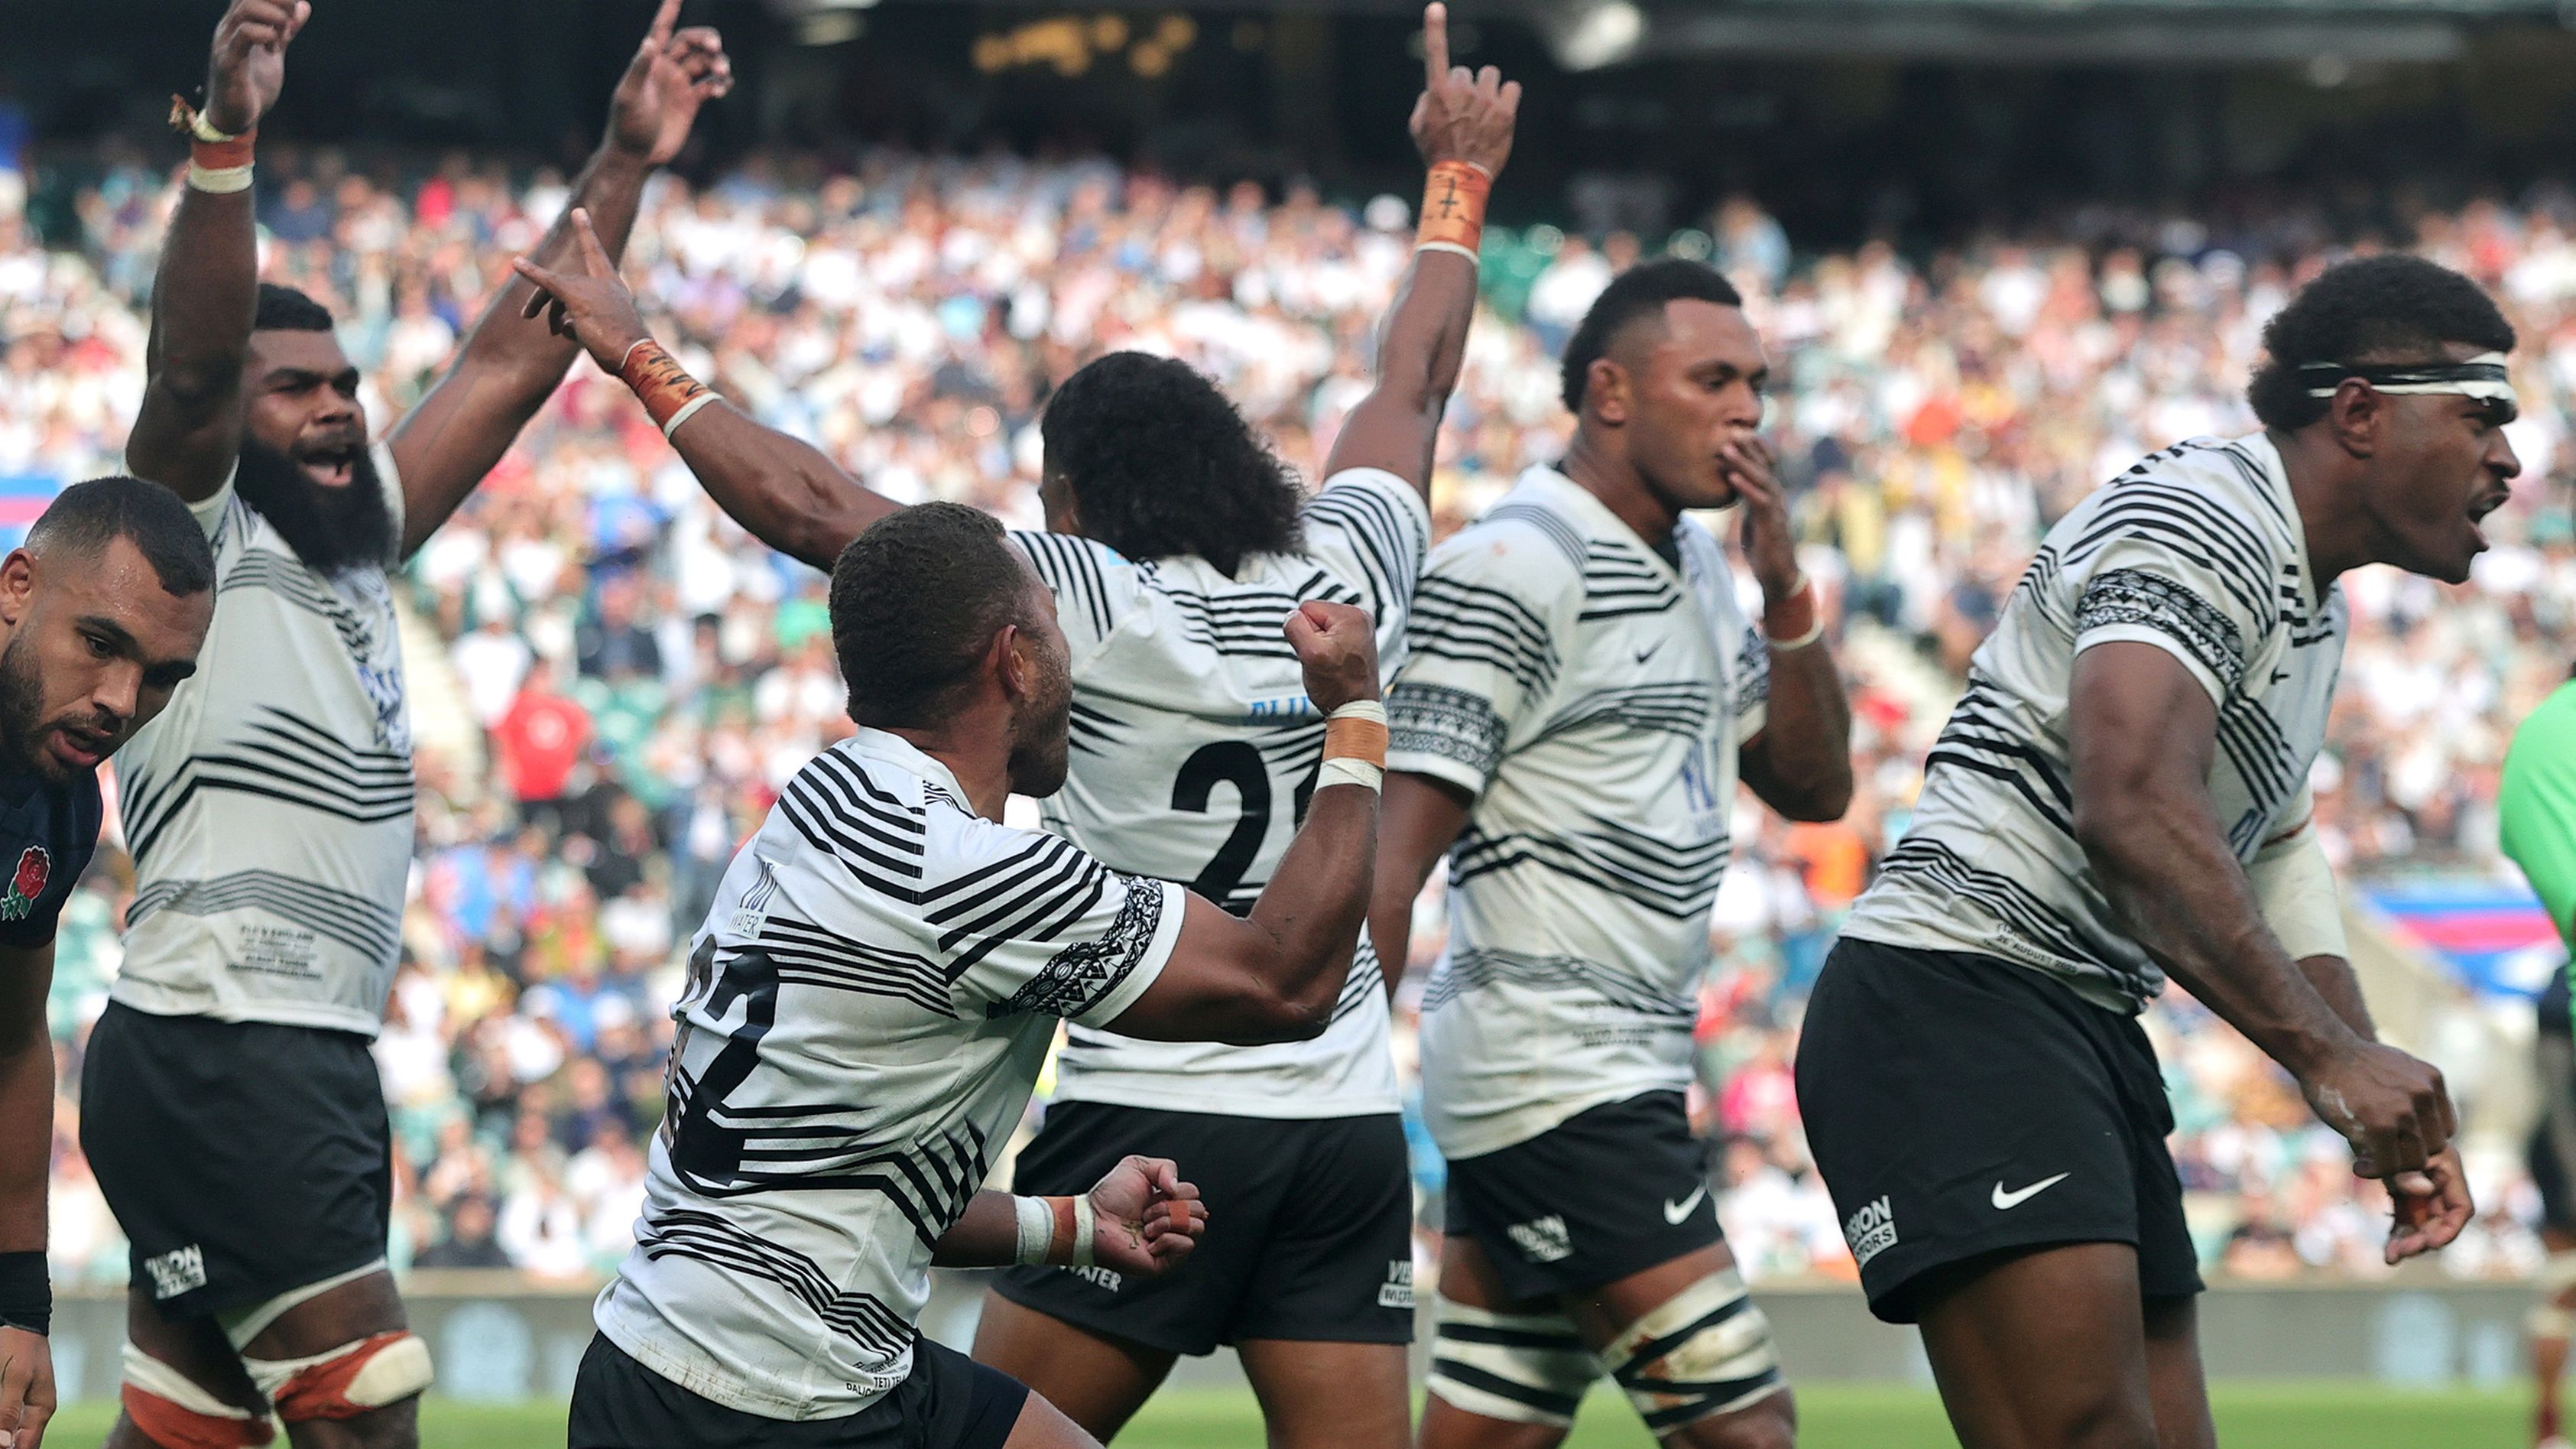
{"x":2007,"y":1201}
{"x":1674,"y":1212}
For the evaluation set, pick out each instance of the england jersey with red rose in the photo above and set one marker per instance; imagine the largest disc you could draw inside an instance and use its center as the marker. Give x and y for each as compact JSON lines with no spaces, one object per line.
{"x":47,"y":832}
{"x":231,"y":1108}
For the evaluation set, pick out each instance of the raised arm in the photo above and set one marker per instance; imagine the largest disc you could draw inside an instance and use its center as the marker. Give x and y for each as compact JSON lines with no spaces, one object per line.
{"x":1461,"y":120}
{"x":188,"y":430}
{"x":1800,"y":762}
{"x":785,"y":493}
{"x":508,"y":367}
{"x":1275,"y":974}
{"x":26,"y":1160}
{"x":2143,"y":737}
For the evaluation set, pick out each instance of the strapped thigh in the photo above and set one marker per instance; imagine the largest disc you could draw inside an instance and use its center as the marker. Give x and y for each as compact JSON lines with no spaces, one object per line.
{"x":1706,"y":1351}
{"x":1527,"y":1368}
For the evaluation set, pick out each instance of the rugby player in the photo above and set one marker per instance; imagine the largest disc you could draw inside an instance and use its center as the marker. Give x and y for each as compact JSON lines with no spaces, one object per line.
{"x":1178,"y":546}
{"x":2121,"y":796}
{"x":102,"y":612}
{"x":875,"y":990}
{"x":2536,"y":825}
{"x":232,"y":1110}
{"x":1582,"y":696}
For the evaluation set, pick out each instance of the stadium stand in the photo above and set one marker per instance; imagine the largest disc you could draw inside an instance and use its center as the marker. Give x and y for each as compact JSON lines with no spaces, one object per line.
{"x":611,"y":679}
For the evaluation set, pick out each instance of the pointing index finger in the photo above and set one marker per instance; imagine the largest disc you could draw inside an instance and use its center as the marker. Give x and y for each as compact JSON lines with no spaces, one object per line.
{"x":1435,"y":45}
{"x":663,"y":20}
{"x":594,"y":257}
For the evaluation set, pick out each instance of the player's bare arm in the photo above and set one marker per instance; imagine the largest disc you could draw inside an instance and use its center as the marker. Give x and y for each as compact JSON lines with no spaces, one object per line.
{"x":781,"y":491}
{"x":1463,"y":118}
{"x":2142,"y":736}
{"x":1417,"y":823}
{"x":189,"y":427}
{"x":1274,"y":975}
{"x":26,"y":1158}
{"x":506,"y":368}
{"x":1800,"y":763}
{"x":1145,"y":1220}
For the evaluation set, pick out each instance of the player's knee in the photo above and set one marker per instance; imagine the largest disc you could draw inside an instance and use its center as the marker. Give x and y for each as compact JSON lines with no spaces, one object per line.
{"x":1770,"y":1423}
{"x":1522,"y":1368}
{"x":175,"y":1412}
{"x":355,"y":1382}
{"x":1704,"y":1355}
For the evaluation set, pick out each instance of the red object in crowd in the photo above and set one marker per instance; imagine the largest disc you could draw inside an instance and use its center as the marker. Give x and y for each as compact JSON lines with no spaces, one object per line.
{"x":539,"y":740}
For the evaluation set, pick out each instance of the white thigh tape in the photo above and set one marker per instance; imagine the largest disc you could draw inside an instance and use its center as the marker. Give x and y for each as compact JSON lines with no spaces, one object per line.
{"x":1706,"y":1351}
{"x":1521,"y":1368}
{"x":161,"y":1381}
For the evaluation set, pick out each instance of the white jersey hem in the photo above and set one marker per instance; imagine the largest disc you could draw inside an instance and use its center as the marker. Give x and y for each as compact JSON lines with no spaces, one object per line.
{"x":1155,"y":1092}
{"x":1491,"y":1135}
{"x":268,"y":1013}
{"x":703,"y":1376}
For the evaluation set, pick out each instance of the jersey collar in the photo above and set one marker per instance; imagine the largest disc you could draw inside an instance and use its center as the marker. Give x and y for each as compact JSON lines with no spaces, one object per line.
{"x":903,"y":754}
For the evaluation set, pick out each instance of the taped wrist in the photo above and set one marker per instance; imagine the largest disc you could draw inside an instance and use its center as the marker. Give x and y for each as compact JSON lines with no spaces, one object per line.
{"x":1056,"y":1231}
{"x":1453,"y":209}
{"x":1355,"y":746}
{"x":219,"y":163}
{"x":26,"y":1293}
{"x":670,"y":396}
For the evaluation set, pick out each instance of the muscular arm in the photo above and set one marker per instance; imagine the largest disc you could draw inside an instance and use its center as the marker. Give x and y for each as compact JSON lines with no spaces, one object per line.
{"x":1416,"y":826}
{"x":986,"y":1235}
{"x":508,"y":365}
{"x":1275,"y":974}
{"x":1800,"y":764}
{"x":2143,"y":738}
{"x":26,"y":1096}
{"x":206,"y":294}
{"x":783,"y":492}
{"x":1423,"y":344}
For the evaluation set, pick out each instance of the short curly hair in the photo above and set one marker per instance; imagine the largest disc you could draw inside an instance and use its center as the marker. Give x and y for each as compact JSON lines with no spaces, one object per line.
{"x":916,"y":598}
{"x":1162,"y":465}
{"x":284,"y":309}
{"x":1641,"y":291}
{"x":2392,"y":308}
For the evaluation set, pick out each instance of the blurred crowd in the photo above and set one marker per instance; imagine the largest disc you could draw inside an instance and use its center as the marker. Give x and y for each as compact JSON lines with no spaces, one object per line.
{"x":609,"y":680}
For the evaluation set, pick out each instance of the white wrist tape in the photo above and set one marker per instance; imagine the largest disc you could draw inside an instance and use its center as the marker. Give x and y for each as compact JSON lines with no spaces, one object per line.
{"x":687,"y":411}
{"x":1086,"y":1225}
{"x":1342,"y":770}
{"x":1037,"y":1229}
{"x":223,"y":181}
{"x":1357,"y":726}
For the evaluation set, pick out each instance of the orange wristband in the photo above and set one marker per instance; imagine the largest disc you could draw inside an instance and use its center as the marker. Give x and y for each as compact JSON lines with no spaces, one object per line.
{"x":670,"y":396}
{"x":1795,"y":621}
{"x":1356,"y":738}
{"x":1453,"y":209}
{"x":217,"y":162}
{"x":1060,"y":1246}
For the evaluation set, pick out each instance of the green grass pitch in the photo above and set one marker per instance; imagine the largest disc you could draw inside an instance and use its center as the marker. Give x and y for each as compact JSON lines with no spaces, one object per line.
{"x":2289,"y":1416}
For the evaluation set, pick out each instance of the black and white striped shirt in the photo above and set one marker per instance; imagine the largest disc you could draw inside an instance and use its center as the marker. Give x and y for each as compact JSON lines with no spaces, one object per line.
{"x":2198,"y":551}
{"x":1195,"y":750}
{"x":867,"y":1007}
{"x":269,"y":808}
{"x":1592,"y":698}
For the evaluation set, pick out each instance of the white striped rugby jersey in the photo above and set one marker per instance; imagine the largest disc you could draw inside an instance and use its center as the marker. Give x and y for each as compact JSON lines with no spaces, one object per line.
{"x":2198,"y":551}
{"x":867,"y":1008}
{"x":269,"y":808}
{"x":1592,"y":698}
{"x":1195,"y":751}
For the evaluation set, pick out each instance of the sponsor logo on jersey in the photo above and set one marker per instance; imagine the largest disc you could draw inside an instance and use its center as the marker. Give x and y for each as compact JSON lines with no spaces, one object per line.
{"x":1286,"y":706}
{"x":1108,"y":1279}
{"x":1871,"y":1231}
{"x":1543,"y":1240}
{"x":177,"y":1271}
{"x":1398,"y":1289}
{"x":35,"y":867}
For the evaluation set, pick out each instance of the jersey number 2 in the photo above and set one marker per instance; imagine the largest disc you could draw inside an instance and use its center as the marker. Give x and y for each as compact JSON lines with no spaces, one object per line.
{"x":1232,"y":762}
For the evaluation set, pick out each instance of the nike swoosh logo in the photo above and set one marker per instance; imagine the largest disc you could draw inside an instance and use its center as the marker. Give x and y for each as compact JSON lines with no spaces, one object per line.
{"x":2007,"y":1201}
{"x":1674,"y":1212}
{"x":1648,"y":652}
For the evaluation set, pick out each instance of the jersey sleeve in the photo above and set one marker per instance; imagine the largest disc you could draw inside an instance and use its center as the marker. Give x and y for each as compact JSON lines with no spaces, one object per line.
{"x":1752,"y":684}
{"x":1091,"y":582}
{"x":2163,"y":566}
{"x":42,"y":877}
{"x":1371,"y":530}
{"x":1030,"y":923}
{"x":389,"y":480}
{"x":1490,"y":621}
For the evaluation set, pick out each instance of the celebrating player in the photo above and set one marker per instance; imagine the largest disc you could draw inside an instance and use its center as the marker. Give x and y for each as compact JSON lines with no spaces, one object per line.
{"x":2121,"y":796}
{"x":2536,"y":825}
{"x":233,"y":1112}
{"x":1581,"y":698}
{"x":1178,"y":547}
{"x":101,"y":615}
{"x":875,"y":990}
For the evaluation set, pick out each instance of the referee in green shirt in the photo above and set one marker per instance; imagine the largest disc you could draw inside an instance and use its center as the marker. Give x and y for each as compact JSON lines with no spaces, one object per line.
{"x":2536,"y":809}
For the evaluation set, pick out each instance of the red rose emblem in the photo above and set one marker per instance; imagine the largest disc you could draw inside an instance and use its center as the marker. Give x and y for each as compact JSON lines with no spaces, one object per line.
{"x":34,"y":868}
